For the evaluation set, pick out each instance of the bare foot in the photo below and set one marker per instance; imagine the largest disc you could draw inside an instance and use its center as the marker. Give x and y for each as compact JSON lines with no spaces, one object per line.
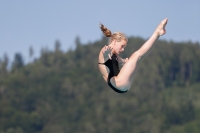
{"x":161,"y":27}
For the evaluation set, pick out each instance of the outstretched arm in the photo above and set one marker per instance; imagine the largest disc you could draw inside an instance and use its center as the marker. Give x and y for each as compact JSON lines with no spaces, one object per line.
{"x":148,"y":45}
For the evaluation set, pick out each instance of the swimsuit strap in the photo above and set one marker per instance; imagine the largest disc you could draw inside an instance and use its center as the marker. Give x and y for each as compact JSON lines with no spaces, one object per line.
{"x":102,"y":63}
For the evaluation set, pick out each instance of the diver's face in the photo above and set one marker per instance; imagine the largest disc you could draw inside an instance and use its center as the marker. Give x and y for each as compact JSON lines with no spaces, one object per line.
{"x":119,"y":46}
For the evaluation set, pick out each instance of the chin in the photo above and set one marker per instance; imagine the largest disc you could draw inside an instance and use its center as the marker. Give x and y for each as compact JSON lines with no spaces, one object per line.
{"x":117,"y":53}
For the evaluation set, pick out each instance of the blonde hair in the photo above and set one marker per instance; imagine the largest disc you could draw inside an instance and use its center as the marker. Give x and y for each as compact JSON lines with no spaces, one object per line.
{"x":118,"y":36}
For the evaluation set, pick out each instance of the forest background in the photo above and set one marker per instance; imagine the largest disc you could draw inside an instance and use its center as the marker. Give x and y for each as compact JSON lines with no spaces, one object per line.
{"x":63,"y":92}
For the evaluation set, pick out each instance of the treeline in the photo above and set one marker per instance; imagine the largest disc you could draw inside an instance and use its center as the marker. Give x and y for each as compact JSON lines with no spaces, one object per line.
{"x":63,"y":92}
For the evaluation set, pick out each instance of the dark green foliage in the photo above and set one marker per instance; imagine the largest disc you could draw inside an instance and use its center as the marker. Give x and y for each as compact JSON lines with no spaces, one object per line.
{"x":18,"y":62}
{"x":65,"y":93}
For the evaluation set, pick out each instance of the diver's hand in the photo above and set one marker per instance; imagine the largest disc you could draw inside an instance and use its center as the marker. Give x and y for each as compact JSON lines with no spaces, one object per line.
{"x":122,"y":61}
{"x":125,"y":60}
{"x":107,"y":51}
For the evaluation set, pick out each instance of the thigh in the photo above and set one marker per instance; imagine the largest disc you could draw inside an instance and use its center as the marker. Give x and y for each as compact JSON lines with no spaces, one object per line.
{"x":127,"y":72}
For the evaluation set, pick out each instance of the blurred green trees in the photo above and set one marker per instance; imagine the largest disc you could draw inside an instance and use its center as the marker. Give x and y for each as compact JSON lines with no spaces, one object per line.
{"x":64,"y":92}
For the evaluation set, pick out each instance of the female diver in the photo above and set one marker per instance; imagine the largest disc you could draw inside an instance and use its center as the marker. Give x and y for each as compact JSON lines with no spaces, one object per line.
{"x":120,"y":80}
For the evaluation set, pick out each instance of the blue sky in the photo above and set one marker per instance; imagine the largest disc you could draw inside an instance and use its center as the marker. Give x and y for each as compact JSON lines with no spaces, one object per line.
{"x":40,"y":23}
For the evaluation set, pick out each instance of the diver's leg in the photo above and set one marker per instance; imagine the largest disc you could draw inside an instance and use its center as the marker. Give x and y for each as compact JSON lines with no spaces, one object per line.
{"x":124,"y":79}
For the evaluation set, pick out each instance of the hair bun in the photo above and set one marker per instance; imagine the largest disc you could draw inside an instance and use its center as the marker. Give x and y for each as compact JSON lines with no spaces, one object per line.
{"x":105,"y":31}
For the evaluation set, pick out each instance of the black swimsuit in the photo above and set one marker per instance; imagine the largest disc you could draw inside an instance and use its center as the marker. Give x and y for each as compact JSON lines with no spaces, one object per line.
{"x":114,"y":71}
